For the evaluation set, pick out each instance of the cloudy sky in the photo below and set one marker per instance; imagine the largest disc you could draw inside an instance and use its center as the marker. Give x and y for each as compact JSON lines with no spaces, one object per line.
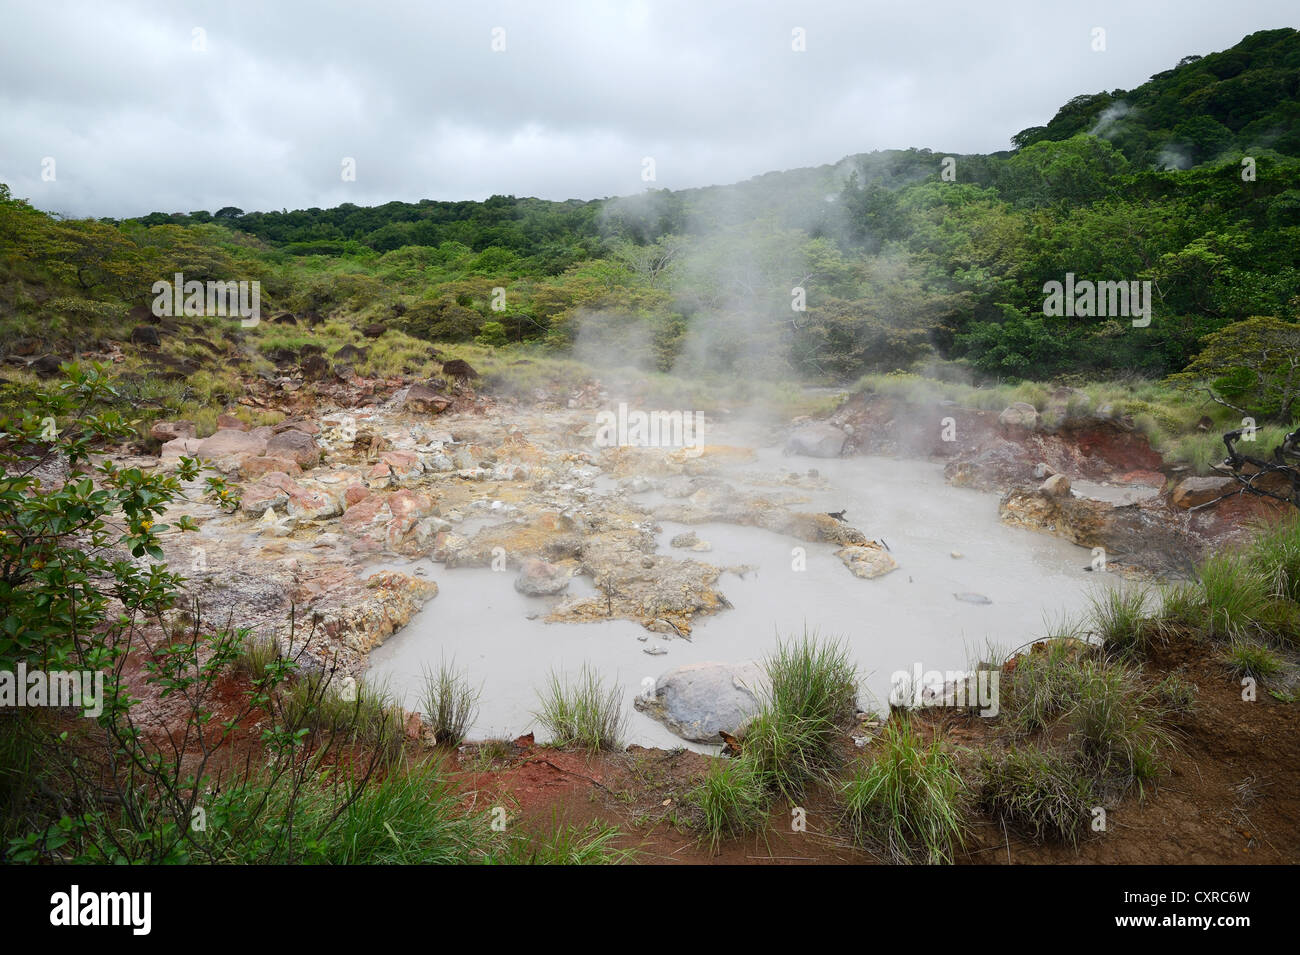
{"x":179,"y":105}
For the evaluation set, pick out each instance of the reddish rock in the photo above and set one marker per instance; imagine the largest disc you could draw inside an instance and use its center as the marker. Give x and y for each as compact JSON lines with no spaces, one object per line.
{"x":355,"y":494}
{"x":231,"y":422}
{"x":1194,"y":491}
{"x":297,"y":445}
{"x":420,"y":399}
{"x":256,"y":467}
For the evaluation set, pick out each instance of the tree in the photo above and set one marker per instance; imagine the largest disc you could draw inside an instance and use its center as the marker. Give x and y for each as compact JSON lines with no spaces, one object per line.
{"x":1252,"y":367}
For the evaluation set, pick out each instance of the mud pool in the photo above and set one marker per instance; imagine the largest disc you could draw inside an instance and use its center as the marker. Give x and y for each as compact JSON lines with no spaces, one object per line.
{"x":893,"y":622}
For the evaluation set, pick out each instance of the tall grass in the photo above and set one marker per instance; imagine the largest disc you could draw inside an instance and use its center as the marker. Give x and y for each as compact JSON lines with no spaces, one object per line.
{"x":583,"y":712}
{"x":1119,"y":617}
{"x":449,"y":702}
{"x":1045,"y":794}
{"x":907,"y":798}
{"x":731,"y":799}
{"x":1115,"y":721}
{"x":372,"y":718}
{"x":811,"y":696}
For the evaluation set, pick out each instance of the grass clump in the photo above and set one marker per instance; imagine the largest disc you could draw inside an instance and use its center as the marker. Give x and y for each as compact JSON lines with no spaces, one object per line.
{"x":583,"y":712}
{"x":732,"y":800}
{"x":1245,"y":657}
{"x":1115,"y":722}
{"x":449,"y":702}
{"x":1044,"y":793}
{"x":907,"y":799}
{"x":1175,"y":692}
{"x":811,"y":696}
{"x":1119,"y":617}
{"x":367,"y":716}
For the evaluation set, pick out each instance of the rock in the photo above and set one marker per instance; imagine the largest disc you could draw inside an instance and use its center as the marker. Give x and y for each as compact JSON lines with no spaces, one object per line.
{"x":1020,"y":414}
{"x":145,"y":335}
{"x":1194,"y":491}
{"x":655,"y":651}
{"x":314,"y":367}
{"x":295,"y":445}
{"x":421,"y":399}
{"x":351,"y":353}
{"x":700,"y":700}
{"x":231,"y":422}
{"x":256,"y":499}
{"x":459,"y":369}
{"x":1043,"y":471}
{"x":691,"y":541}
{"x":374,"y":330}
{"x":818,"y":440}
{"x":402,"y":465}
{"x":176,"y":448}
{"x":537,"y":578}
{"x":972,"y":598}
{"x":255,"y":467}
{"x":226,"y":448}
{"x":47,"y":366}
{"x":1058,"y":485}
{"x":165,"y":431}
{"x":867,"y":560}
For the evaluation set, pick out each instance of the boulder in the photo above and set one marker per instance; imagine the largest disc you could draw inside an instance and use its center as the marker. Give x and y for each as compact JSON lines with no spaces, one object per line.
{"x":1058,"y":485}
{"x":421,"y":399}
{"x":256,"y":467}
{"x":699,"y":700}
{"x":1020,"y":414}
{"x":819,"y":440}
{"x":1194,"y":491}
{"x":867,"y":560}
{"x":295,"y":445}
{"x":145,"y":335}
{"x":537,"y":578}
{"x":459,"y":369}
{"x":226,"y":448}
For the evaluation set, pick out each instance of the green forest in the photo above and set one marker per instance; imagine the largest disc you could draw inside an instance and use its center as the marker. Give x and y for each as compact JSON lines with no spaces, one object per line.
{"x":898,"y":260}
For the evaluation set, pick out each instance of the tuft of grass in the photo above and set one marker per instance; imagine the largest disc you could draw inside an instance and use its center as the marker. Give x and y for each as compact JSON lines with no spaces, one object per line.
{"x":583,"y":713}
{"x":563,"y":844}
{"x":907,"y":798}
{"x":810,"y":697}
{"x":1234,"y":594}
{"x":449,"y":703}
{"x":372,"y":718}
{"x":1044,"y":793}
{"x":1248,"y":658}
{"x":1115,"y":723}
{"x":1275,"y":555}
{"x":732,"y":800}
{"x":1176,"y":693}
{"x":1044,"y":684}
{"x":1119,"y":617}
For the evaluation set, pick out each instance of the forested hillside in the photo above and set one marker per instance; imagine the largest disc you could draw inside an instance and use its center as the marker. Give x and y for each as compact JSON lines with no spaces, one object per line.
{"x":900,"y":259}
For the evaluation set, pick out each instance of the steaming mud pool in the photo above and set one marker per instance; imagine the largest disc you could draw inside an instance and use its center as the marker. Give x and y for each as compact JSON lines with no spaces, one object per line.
{"x":964,"y":582}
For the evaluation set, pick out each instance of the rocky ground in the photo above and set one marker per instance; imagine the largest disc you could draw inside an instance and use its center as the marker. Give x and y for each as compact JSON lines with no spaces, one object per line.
{"x":370,"y":474}
{"x":366,"y":475}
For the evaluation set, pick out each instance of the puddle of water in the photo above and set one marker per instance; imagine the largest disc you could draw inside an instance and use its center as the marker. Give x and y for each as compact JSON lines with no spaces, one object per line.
{"x":891,"y":623}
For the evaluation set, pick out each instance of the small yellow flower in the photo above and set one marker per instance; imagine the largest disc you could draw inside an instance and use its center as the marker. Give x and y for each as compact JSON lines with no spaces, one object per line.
{"x":38,"y":564}
{"x":146,"y":524}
